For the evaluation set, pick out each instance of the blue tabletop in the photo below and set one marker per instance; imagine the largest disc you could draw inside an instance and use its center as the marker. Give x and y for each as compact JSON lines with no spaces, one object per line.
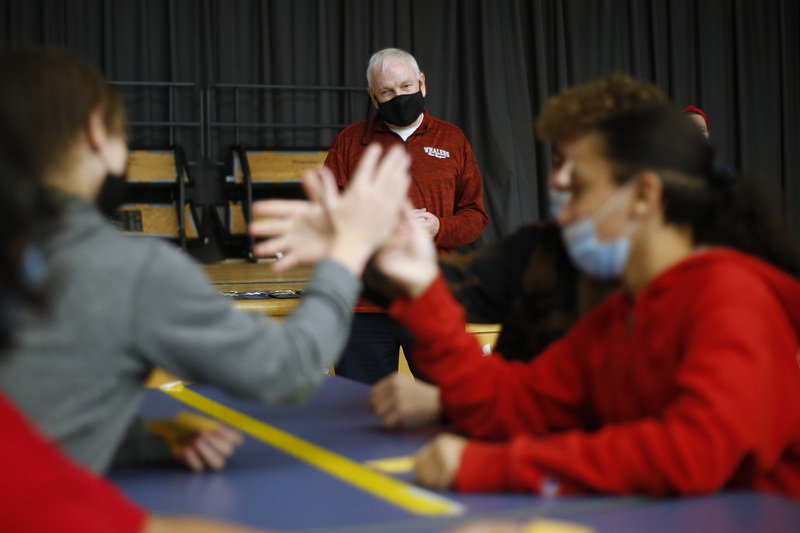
{"x":265,"y":487}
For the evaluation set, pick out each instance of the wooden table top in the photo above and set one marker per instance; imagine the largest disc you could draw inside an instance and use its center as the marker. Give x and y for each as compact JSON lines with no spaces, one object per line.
{"x":236,"y":271}
{"x":240,"y":276}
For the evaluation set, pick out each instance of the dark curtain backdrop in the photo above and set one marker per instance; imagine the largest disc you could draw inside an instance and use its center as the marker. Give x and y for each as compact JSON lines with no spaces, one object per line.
{"x":490,"y":64}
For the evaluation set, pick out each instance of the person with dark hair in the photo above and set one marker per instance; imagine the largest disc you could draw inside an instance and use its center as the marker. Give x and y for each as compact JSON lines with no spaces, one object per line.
{"x":118,"y":306}
{"x":42,"y":490}
{"x":662,"y":389}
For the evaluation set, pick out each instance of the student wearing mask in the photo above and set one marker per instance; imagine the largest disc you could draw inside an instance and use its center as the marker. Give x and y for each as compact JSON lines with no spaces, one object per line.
{"x":663,"y":388}
{"x":526,"y":282}
{"x":42,"y":490}
{"x":120,"y":306}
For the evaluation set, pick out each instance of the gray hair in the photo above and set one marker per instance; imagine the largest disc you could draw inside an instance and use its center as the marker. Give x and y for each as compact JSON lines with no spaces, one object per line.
{"x":382,"y":58}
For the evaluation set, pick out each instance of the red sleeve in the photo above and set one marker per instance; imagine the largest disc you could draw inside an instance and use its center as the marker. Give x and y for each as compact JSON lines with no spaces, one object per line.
{"x":733,"y":416}
{"x":737,"y":365}
{"x":469,"y":217}
{"x":42,"y":490}
{"x":487,"y":396}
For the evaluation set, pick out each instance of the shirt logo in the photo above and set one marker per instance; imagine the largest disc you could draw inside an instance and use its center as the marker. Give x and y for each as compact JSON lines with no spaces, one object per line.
{"x":436,"y":152}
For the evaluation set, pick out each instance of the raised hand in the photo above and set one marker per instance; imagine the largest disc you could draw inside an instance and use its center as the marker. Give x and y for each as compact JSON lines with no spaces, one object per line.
{"x":297,"y":229}
{"x":409,"y":257}
{"x":348,"y":227}
{"x":366,"y":214}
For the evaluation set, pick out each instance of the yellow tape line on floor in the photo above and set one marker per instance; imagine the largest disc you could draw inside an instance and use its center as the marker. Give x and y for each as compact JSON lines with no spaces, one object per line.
{"x":404,"y":495}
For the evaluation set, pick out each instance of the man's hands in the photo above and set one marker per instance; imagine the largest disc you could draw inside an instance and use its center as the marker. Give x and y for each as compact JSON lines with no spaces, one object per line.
{"x":429,"y":221}
{"x":401,"y":401}
{"x":196,"y":441}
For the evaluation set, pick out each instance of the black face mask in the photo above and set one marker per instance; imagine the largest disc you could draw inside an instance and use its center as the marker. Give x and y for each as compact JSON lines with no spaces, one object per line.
{"x":402,"y":110}
{"x":112,"y":194}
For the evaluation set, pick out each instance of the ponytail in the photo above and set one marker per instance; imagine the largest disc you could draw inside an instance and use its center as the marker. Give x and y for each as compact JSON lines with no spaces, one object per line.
{"x":721,"y":208}
{"x":743,"y":216}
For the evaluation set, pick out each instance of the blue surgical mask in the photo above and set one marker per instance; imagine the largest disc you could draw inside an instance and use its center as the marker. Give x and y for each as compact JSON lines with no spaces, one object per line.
{"x":602,"y":260}
{"x":558,"y":199}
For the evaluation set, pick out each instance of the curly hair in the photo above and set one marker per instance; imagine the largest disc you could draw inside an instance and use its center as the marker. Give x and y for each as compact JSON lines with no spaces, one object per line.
{"x":721,"y":208}
{"x":579,"y":109}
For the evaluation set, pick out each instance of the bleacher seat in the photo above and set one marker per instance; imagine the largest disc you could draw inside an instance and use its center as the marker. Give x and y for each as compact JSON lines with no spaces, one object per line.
{"x":156,"y":202}
{"x":259,"y":174}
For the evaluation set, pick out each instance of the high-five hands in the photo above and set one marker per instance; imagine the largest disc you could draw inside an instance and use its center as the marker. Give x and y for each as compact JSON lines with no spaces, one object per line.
{"x":297,"y":229}
{"x":347,"y":228}
{"x":371,"y":215}
{"x":408,"y":258}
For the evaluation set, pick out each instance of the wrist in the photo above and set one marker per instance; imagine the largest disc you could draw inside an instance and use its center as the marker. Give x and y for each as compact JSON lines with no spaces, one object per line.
{"x":417,"y":285}
{"x":354,"y":258}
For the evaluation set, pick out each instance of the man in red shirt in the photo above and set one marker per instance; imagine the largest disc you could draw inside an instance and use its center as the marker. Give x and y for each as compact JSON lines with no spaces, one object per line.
{"x":446,"y":191}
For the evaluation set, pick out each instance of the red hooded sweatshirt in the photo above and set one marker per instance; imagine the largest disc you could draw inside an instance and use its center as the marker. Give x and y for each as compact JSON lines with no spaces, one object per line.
{"x":691,"y":387}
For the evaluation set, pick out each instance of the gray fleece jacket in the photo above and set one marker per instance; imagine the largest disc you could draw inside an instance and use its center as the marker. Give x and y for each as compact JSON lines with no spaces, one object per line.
{"x":119,"y":305}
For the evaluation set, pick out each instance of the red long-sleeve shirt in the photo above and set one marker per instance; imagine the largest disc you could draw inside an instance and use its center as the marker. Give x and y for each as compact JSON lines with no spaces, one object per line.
{"x":445,"y":176}
{"x":690,"y":388}
{"x":42,"y":490}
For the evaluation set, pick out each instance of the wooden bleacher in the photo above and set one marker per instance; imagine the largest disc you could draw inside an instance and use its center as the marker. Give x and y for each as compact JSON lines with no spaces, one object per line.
{"x":259,"y":174}
{"x":156,"y":204}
